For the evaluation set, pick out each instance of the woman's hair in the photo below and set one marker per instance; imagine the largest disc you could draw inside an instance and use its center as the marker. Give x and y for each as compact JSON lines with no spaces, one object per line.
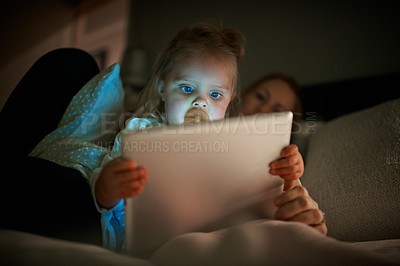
{"x":290,"y":81}
{"x":224,"y":43}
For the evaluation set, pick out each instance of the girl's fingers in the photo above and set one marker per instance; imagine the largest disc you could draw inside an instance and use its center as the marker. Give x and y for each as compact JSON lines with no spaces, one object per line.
{"x":286,"y":170}
{"x":289,"y":184}
{"x":292,"y":149}
{"x":131,"y":185}
{"x":132,"y":192}
{"x":287,"y":161}
{"x":292,"y":176}
{"x":121,"y":164}
{"x":129,"y":176}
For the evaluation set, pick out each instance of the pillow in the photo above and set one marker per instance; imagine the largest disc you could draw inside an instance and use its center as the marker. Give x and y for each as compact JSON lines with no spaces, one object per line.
{"x":88,"y":125}
{"x":353,"y":172}
{"x":93,"y":113}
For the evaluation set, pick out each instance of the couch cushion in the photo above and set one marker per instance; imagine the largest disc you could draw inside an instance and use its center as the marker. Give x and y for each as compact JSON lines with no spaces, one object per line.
{"x":353,"y":172}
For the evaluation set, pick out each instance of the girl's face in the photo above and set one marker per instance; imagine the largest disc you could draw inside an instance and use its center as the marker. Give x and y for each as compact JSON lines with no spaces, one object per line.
{"x":200,"y":82}
{"x":270,"y":96}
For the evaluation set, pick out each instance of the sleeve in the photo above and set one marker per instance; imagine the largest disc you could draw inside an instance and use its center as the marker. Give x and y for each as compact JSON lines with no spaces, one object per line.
{"x":113,"y":228}
{"x":113,"y":220}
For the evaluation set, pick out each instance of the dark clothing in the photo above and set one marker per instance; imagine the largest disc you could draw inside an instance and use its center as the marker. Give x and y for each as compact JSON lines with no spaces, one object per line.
{"x":38,"y":195}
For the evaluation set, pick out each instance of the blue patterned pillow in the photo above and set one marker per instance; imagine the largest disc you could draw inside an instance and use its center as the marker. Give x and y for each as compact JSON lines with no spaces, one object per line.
{"x":88,"y":126}
{"x":95,"y":109}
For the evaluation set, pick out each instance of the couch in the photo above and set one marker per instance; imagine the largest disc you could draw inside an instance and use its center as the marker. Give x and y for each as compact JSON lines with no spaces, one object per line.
{"x":353,"y":172}
{"x":352,"y":169}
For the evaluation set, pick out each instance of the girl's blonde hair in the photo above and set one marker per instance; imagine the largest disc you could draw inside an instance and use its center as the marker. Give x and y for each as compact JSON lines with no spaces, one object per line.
{"x":225,"y":43}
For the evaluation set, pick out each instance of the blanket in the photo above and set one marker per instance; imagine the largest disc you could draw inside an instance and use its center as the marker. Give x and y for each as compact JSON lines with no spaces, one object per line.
{"x":260,"y":242}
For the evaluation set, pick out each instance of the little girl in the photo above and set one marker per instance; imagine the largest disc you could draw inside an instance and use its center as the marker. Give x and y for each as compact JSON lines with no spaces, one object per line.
{"x":195,"y":76}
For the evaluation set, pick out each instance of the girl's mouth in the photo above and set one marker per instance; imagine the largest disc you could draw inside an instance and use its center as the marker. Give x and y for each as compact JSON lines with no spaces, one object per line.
{"x":195,"y":115}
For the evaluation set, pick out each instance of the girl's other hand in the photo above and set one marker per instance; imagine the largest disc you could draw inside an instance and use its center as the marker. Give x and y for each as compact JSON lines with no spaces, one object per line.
{"x":290,"y":167}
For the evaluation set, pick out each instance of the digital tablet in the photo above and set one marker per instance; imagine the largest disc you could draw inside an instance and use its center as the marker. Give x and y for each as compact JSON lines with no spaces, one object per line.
{"x":203,"y":177}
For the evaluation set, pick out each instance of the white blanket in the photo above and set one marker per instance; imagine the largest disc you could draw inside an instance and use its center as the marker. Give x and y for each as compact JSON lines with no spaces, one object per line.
{"x":256,"y":243}
{"x":270,"y":242}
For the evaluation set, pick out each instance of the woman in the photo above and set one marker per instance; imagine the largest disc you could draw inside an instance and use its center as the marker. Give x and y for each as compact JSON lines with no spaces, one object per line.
{"x":272,"y":93}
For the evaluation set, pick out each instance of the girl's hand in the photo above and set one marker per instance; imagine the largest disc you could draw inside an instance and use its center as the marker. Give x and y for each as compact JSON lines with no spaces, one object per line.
{"x":297,"y":205}
{"x":120,"y":178}
{"x":290,"y":167}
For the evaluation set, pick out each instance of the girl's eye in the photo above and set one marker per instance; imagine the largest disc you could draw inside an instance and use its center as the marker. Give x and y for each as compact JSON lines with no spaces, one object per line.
{"x":215,"y":95}
{"x":186,"y":89}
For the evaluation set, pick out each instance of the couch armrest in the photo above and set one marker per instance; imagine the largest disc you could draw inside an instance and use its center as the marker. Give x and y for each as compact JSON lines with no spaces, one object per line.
{"x":353,"y":172}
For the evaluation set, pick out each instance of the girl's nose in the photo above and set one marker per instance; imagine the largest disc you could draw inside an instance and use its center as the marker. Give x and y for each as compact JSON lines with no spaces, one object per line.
{"x":200,"y":103}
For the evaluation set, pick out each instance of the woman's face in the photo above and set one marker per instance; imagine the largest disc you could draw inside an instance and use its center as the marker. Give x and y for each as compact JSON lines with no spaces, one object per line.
{"x":270,"y":96}
{"x":198,"y":86}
